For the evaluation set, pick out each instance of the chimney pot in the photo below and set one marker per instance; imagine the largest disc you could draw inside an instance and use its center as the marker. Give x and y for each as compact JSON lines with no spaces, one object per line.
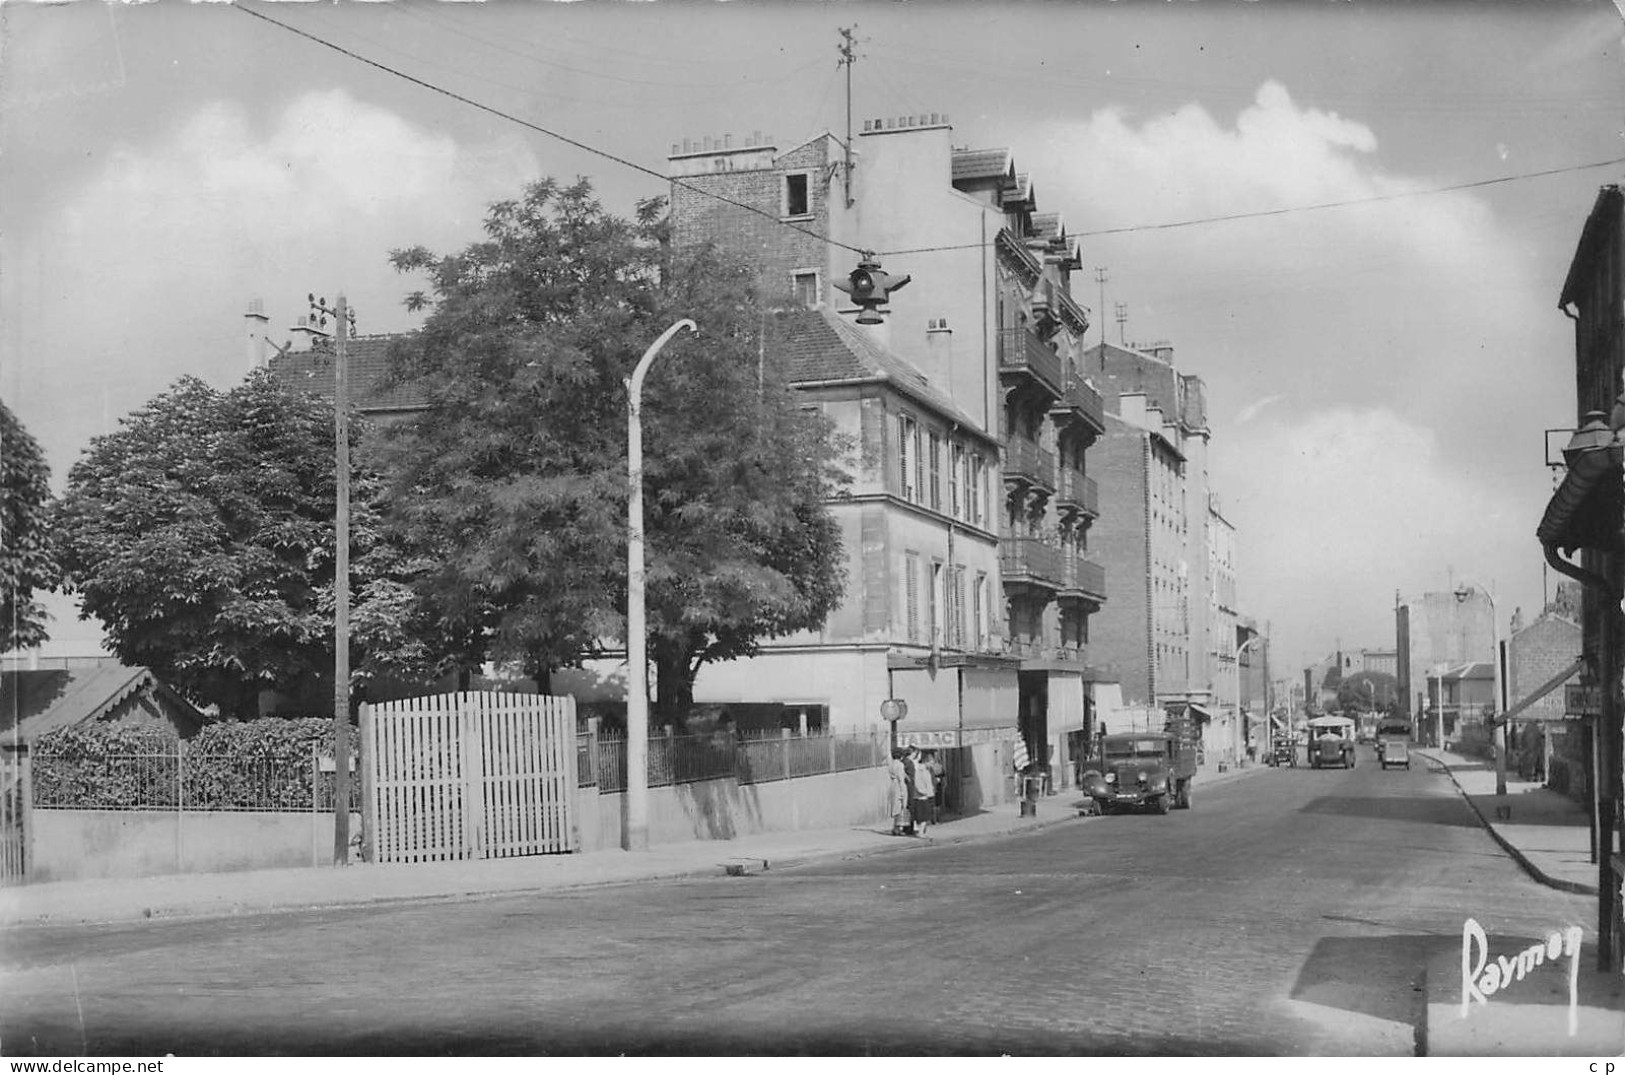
{"x":728,"y":141}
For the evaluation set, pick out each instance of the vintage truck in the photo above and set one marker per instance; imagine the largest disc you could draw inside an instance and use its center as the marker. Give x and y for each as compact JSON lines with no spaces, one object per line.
{"x":1143,"y":770}
{"x":1331,"y":742}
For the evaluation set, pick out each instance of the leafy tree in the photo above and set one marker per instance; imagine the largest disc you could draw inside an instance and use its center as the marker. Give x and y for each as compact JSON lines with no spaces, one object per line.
{"x":514,"y":479}
{"x":1368,"y":691}
{"x":200,"y":534}
{"x":26,"y":562}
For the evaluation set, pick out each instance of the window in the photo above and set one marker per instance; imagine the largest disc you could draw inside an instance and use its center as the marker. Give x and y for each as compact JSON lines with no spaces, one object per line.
{"x":956,"y":466}
{"x":978,"y":491}
{"x":796,"y":202}
{"x":978,"y":613}
{"x":956,"y":605}
{"x":935,"y":486}
{"x":934,"y":603}
{"x":911,"y":591}
{"x":804,"y":285}
{"x":908,"y":436}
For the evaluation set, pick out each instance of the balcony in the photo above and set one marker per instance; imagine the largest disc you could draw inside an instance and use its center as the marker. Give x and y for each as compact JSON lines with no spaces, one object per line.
{"x":1025,"y":463}
{"x":1082,"y":404}
{"x":1077,"y":493}
{"x":1023,"y":356}
{"x":1082,"y":580}
{"x":1030,"y":561}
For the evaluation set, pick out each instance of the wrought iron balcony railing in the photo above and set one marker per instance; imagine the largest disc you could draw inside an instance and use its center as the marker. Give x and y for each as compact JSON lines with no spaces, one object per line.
{"x":1025,"y":461}
{"x":1020,"y":352}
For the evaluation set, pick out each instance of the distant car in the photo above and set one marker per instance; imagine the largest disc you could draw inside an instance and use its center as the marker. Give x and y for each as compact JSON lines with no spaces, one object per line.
{"x":1395,"y":752}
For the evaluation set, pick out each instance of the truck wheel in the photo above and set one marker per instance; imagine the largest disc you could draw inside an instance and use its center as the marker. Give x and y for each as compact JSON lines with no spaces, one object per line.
{"x":1162,"y":802}
{"x":1185,"y":796}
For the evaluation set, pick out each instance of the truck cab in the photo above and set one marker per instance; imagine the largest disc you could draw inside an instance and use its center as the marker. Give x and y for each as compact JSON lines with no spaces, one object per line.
{"x":1141,"y":771}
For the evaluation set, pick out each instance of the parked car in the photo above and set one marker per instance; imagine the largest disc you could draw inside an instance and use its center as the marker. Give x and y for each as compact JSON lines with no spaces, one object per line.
{"x":1331,"y":742}
{"x":1395,"y":752}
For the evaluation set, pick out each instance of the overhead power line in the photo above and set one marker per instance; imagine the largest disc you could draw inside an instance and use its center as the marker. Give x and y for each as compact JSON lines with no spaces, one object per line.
{"x":1128,"y":229}
{"x":1283,"y":211}
{"x":566,"y":139}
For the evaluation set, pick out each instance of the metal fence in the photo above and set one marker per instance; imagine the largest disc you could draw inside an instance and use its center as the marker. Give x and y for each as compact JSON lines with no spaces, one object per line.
{"x":687,"y":759}
{"x":182,"y":780}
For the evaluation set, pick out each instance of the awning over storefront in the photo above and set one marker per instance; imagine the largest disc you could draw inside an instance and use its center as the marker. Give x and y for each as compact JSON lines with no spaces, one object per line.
{"x":1546,"y":688}
{"x":1200,"y":712}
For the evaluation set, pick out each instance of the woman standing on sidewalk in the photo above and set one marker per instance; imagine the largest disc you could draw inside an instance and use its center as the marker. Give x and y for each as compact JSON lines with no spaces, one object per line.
{"x":896,"y":792}
{"x":923,"y":791}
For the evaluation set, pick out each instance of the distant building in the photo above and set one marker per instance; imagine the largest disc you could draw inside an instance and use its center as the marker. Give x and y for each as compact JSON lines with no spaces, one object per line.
{"x":1435,"y":633}
{"x":35,"y":701}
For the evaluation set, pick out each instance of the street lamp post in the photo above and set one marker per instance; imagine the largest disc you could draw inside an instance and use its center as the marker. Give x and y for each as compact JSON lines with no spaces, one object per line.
{"x":1438,"y":705}
{"x":1239,"y":651}
{"x":635,"y":833}
{"x":1498,"y":703}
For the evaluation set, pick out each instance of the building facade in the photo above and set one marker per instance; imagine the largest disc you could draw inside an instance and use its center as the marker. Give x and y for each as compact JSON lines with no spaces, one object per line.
{"x":988,"y":329}
{"x":1169,"y":629}
{"x":1435,"y":633}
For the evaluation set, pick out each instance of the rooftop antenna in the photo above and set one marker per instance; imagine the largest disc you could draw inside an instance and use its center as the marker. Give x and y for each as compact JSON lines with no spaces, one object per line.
{"x":1101,"y":278}
{"x":1122,"y":319}
{"x":848,"y":51}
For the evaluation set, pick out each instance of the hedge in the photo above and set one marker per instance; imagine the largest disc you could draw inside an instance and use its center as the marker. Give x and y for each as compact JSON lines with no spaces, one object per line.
{"x":251,"y":765}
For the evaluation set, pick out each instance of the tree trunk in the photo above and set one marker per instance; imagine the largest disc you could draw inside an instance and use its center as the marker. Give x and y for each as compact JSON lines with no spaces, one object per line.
{"x":674,"y":688}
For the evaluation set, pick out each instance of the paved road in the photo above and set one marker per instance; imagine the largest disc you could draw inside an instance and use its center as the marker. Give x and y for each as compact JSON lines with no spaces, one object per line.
{"x":1288,"y":913}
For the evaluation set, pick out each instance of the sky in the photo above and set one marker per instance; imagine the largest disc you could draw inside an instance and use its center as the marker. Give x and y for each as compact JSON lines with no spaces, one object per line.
{"x":1380,"y":375}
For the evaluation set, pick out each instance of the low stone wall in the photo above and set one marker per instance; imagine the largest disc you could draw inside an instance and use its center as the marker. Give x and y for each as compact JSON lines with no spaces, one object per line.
{"x":76,"y":845}
{"x":723,"y":809}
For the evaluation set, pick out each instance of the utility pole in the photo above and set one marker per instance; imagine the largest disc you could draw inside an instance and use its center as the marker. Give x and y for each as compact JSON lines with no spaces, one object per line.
{"x":848,"y":51}
{"x":344,"y":320}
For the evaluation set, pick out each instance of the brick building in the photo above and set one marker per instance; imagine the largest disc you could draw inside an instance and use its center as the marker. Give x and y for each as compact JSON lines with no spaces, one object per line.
{"x":989,"y":326}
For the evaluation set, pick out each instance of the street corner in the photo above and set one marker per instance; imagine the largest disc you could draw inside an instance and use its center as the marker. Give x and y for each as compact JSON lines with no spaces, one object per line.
{"x":1504,"y":995}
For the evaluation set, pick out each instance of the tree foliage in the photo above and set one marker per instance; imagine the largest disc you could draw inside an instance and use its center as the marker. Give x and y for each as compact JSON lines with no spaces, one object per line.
{"x":27,"y":565}
{"x":1368,"y":692}
{"x":514,"y":479}
{"x":201,"y":535}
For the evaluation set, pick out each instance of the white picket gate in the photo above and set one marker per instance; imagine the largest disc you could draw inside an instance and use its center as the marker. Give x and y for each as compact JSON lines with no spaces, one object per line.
{"x":471,"y":775}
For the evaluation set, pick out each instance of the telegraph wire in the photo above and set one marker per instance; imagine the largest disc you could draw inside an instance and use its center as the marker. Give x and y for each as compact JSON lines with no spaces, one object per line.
{"x":1128,"y":229}
{"x":566,"y":139}
{"x":1283,"y":211}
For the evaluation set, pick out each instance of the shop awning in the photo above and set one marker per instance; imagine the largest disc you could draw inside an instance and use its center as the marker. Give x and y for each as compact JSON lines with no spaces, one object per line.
{"x":1546,"y":688}
{"x":1200,"y":712}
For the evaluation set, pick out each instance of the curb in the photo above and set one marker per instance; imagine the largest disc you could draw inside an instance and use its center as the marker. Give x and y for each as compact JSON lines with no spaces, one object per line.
{"x":1576,"y":887}
{"x":679,"y":873}
{"x":184,"y":913}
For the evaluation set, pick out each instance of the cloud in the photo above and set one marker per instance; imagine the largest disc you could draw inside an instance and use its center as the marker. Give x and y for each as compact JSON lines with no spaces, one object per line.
{"x":1252,"y":410}
{"x":152,"y":260}
{"x":1359,"y":503}
{"x":1419,"y":350}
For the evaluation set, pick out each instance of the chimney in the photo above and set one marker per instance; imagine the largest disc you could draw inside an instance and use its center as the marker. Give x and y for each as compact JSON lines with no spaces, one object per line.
{"x":256,"y":322}
{"x":939,"y":346}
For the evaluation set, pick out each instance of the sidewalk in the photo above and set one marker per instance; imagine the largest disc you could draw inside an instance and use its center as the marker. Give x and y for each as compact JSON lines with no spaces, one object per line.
{"x":261,"y":891}
{"x":1544,"y":830}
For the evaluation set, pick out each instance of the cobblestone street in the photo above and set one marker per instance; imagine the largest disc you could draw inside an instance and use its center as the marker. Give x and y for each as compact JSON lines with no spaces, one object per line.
{"x":1290,"y":913}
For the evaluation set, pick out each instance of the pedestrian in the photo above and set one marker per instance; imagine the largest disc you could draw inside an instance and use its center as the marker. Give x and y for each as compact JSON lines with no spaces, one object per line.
{"x":897,"y":792}
{"x":923,"y":791}
{"x":934,"y":763}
